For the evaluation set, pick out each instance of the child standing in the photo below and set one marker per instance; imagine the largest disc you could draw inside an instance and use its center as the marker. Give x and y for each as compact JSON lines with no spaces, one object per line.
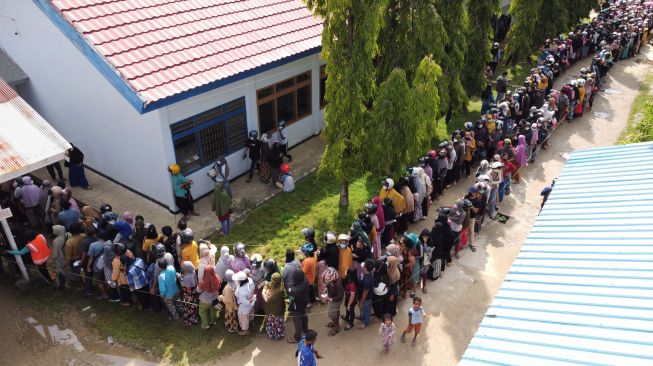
{"x":416,"y":316}
{"x":387,"y":332}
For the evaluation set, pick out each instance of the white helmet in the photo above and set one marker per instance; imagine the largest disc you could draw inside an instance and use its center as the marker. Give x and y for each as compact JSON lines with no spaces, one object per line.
{"x":330,"y":238}
{"x":496,"y":165}
{"x":343,"y":237}
{"x":483,"y":178}
{"x":574,"y":83}
{"x":389,"y":183}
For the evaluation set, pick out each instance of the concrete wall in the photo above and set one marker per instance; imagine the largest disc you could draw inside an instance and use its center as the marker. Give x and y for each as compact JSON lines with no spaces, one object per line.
{"x":133,"y":149}
{"x":297,"y":132}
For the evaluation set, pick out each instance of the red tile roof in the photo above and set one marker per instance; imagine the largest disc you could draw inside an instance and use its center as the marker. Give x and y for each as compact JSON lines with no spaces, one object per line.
{"x":166,"y":47}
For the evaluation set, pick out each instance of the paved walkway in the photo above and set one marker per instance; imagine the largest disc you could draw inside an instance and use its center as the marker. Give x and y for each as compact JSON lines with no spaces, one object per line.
{"x":306,"y":158}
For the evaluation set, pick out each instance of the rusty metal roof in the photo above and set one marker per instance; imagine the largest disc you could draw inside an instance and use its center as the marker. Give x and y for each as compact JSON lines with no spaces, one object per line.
{"x":27,"y":141}
{"x":163,"y":49}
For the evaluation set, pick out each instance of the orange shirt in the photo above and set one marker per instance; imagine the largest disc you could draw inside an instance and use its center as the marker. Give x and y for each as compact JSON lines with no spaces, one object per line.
{"x":308,"y":266}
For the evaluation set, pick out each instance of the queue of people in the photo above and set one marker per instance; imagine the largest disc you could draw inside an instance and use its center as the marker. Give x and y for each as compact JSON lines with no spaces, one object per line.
{"x":361,"y":274}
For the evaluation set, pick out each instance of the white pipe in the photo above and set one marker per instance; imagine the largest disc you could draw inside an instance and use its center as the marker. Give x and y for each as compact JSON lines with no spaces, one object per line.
{"x":12,"y":243}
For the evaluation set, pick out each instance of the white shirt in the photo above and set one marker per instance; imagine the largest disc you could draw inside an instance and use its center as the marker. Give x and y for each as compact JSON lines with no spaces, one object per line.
{"x":245,"y":297}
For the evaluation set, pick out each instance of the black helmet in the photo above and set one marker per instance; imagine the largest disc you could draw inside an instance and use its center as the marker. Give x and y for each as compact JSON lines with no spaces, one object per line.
{"x":269,"y":265}
{"x":158,"y":250}
{"x":119,"y":249}
{"x":105,"y":208}
{"x":308,"y":232}
{"x":186,"y":236}
{"x":444,"y":210}
{"x":109,"y":216}
{"x":253,"y":134}
{"x":370,"y":207}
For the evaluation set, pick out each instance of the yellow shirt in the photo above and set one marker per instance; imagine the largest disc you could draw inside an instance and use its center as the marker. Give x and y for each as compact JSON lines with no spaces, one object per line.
{"x":398,"y":201}
{"x":190,"y":252}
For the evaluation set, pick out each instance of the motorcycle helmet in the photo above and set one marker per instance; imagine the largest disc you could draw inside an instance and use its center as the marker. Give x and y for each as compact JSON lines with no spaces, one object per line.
{"x":432,"y":154}
{"x":285,"y":168}
{"x":329,"y":237}
{"x":158,"y":250}
{"x":307,"y":248}
{"x":186,"y":236}
{"x":269,"y":265}
{"x":174,"y":168}
{"x":257,"y":261}
{"x":119,"y":249}
{"x":253,"y":134}
{"x":105,"y":208}
{"x":308,"y":233}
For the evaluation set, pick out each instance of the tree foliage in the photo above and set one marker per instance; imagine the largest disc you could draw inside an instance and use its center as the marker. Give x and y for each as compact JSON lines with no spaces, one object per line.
{"x":349,"y":46}
{"x":454,"y":16}
{"x":403,"y":119}
{"x":479,"y":42}
{"x":533,"y":21}
{"x":412,"y":30}
{"x":520,"y":41}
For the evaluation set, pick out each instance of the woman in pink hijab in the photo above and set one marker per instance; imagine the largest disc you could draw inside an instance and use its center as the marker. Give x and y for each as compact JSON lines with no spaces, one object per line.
{"x":520,"y":154}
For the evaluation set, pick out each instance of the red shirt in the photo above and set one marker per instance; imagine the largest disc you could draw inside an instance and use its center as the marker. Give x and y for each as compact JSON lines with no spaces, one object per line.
{"x":508,"y":168}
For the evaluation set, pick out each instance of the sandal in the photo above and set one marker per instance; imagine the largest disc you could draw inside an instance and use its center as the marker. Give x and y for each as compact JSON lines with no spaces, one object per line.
{"x":348,"y":327}
{"x":424,"y":290}
{"x":291,"y":340}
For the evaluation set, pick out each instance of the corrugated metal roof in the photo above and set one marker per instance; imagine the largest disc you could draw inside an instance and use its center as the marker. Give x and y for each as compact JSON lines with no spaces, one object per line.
{"x":581,"y":290}
{"x":27,"y":141}
{"x":166,"y":47}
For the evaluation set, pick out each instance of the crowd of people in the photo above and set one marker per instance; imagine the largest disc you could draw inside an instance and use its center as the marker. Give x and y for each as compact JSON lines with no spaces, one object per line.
{"x":367,"y":270}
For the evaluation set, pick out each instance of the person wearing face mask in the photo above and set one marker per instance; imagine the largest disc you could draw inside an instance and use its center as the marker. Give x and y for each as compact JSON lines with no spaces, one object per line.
{"x":345,"y":258}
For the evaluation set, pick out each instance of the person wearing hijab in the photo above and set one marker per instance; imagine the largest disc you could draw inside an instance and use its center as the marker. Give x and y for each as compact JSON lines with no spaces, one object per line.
{"x":423,"y":259}
{"x":335,"y":293}
{"x":168,"y":289}
{"x":221,"y":204}
{"x":58,"y":253}
{"x":275,"y":307}
{"x":360,"y":253}
{"x":390,"y":220}
{"x":394,"y":275}
{"x":297,"y":302}
{"x":76,"y":175}
{"x":189,"y":293}
{"x":223,"y":264}
{"x":406,"y":284}
{"x":483,"y":168}
{"x":409,"y":200}
{"x":443,"y":239}
{"x":137,"y":280}
{"x":228,"y":298}
{"x":380,"y":216}
{"x":520,"y":157}
{"x":398,"y":201}
{"x":207,"y":258}
{"x":208,"y":290}
{"x":417,"y":175}
{"x":246,"y":298}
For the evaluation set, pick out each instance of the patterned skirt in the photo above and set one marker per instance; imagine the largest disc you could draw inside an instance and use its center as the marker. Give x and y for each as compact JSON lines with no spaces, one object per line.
{"x":274,"y":327}
{"x":266,"y":172}
{"x":231,"y":320}
{"x":191,"y":310}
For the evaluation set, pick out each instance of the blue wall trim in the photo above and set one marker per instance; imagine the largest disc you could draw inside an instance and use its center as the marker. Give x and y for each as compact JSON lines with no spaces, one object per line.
{"x":229,"y":80}
{"x":96,"y":59}
{"x":126,"y":90}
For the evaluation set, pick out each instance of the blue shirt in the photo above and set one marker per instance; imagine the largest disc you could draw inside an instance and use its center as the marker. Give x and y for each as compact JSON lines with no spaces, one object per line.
{"x":177,"y":181}
{"x":136,"y":274}
{"x":68,"y":217}
{"x":416,"y":317}
{"x":306,"y":355}
{"x":168,"y":282}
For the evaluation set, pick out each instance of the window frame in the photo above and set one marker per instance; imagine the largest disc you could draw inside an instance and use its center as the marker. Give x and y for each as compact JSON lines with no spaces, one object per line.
{"x":198,"y":127}
{"x":275,"y":95}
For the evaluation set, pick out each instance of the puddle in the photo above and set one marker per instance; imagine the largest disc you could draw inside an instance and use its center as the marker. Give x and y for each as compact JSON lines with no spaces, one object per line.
{"x":601,"y":115}
{"x":31,"y":339}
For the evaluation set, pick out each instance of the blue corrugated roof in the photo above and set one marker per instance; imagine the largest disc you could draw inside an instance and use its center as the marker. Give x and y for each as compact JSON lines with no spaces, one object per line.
{"x":581,"y":290}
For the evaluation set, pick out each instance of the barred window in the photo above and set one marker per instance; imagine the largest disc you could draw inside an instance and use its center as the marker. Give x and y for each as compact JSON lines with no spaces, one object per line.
{"x":199,"y":140}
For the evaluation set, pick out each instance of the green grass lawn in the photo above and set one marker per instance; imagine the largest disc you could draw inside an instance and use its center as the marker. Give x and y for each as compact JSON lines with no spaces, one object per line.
{"x":141,"y":330}
{"x":640,"y":121}
{"x":275,"y":226}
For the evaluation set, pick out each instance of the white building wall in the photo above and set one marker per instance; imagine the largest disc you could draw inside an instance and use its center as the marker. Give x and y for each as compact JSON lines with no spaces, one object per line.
{"x":133,"y":149}
{"x":297,"y":132}
{"x":69,"y":92}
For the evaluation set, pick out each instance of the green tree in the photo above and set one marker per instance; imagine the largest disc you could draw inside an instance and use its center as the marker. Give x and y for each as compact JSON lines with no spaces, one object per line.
{"x":520,"y":41}
{"x":454,"y":16}
{"x":403,"y":119}
{"x":479,"y":42}
{"x":349,"y":46}
{"x":580,"y":9}
{"x":412,"y":30}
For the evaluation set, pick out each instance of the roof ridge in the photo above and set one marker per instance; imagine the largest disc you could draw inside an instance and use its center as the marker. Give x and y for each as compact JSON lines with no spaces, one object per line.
{"x":205,"y":43}
{"x":213,"y":68}
{"x":173,"y":15}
